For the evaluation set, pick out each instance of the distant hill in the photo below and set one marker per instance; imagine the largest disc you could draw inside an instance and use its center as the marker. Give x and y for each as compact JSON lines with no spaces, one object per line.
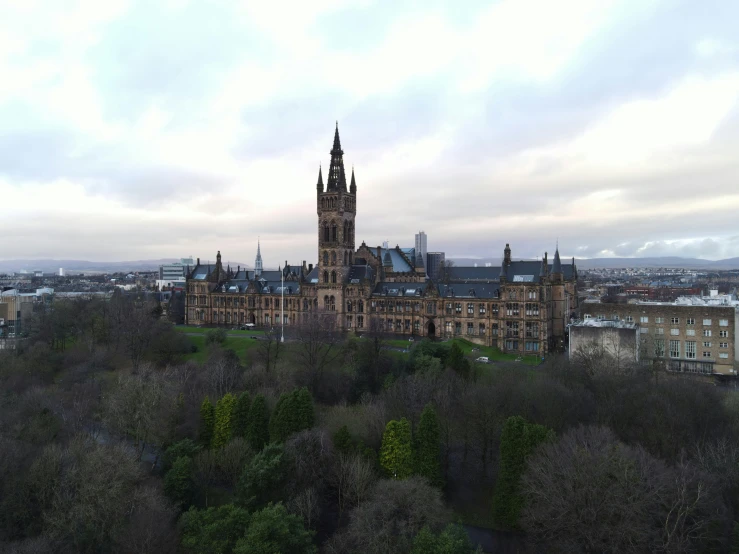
{"x":602,"y":263}
{"x":77,"y":266}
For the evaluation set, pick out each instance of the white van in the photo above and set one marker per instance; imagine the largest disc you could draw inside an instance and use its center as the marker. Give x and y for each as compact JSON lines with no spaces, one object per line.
{"x":483,"y":360}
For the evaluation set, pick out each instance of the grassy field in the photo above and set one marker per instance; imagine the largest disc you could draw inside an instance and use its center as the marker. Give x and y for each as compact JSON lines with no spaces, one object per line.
{"x":240,"y":345}
{"x":494,"y":354}
{"x":191,"y":330}
{"x":241,"y":342}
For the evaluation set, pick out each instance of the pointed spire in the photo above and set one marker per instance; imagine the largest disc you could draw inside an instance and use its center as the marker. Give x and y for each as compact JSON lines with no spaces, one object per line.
{"x":557,"y":264}
{"x":336,"y":178}
{"x":258,"y":260}
{"x":319,"y":185}
{"x":507,"y":255}
{"x":337,"y":141}
{"x":342,"y":179}
{"x":353,"y":186}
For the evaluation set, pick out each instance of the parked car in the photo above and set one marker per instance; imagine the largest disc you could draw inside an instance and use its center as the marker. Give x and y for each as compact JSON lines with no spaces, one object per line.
{"x":483,"y":360}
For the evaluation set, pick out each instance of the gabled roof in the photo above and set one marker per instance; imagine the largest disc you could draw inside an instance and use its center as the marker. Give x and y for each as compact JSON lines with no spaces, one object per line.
{"x":359,"y":272}
{"x":399,"y":264}
{"x":201,"y":272}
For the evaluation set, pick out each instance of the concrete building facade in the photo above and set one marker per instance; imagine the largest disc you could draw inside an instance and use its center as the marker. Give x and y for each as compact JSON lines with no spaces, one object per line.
{"x":692,"y":334}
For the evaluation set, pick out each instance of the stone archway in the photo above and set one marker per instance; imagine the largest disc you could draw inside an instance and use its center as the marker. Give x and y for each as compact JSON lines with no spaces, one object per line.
{"x":431,"y":329}
{"x":252,"y":319}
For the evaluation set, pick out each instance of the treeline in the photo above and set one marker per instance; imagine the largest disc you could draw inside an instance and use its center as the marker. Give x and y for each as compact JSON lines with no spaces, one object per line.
{"x":327,"y":443}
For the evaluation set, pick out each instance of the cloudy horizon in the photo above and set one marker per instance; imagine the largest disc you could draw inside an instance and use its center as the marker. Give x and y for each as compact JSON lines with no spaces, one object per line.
{"x":133,"y":130}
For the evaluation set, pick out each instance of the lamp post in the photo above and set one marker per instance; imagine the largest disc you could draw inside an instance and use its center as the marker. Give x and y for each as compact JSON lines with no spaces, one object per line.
{"x":282,"y":305}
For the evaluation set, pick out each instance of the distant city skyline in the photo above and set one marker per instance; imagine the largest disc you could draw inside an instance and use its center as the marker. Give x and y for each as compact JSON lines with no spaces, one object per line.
{"x":133,"y":130}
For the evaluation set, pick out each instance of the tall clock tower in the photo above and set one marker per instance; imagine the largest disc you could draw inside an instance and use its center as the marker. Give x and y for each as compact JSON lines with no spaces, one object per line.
{"x":337,"y":207}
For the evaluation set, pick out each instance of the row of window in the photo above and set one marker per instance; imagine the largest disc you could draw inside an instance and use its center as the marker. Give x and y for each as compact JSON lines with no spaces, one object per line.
{"x":529,"y":345}
{"x":333,"y":235}
{"x":347,"y":259}
{"x":688,"y":332}
{"x":691,"y":350}
{"x":661,"y":320}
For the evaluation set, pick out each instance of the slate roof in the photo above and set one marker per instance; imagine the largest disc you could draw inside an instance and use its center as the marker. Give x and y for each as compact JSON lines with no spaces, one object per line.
{"x":201,"y":271}
{"x":312,"y":277}
{"x":399,"y":263}
{"x":360,"y":272}
{"x":470,"y":290}
{"x":399,"y":289}
{"x":462,"y":273}
{"x":524,"y":271}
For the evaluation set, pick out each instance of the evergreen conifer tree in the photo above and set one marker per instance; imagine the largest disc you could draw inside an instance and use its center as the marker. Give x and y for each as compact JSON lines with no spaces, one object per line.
{"x":222,"y":427}
{"x":207,"y":421}
{"x":428,"y":447}
{"x":396,"y":452}
{"x":307,"y":413}
{"x":294,"y":412}
{"x":257,"y":430}
{"x":518,"y":440}
{"x":240,"y":419}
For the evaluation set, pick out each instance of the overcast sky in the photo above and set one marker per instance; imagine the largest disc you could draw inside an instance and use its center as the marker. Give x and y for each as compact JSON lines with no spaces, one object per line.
{"x":138,"y":130}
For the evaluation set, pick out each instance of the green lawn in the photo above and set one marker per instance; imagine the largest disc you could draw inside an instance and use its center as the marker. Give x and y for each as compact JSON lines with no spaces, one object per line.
{"x":191,"y":329}
{"x":494,"y":354}
{"x":240,"y":345}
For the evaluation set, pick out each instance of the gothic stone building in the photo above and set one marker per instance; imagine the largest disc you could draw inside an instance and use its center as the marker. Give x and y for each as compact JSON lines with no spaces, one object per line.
{"x":521,"y":306}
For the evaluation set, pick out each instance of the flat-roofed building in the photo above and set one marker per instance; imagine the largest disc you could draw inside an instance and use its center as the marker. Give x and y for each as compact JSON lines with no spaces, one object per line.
{"x":694,"y":334}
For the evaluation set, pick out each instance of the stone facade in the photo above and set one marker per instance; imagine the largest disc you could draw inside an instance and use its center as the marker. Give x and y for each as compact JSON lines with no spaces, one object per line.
{"x":521,"y":306}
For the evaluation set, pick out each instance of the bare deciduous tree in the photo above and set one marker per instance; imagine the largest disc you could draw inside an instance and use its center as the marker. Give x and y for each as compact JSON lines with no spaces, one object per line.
{"x":270,"y":348}
{"x":351,"y":479}
{"x":223,"y":372}
{"x":590,"y":492}
{"x":318,"y":345}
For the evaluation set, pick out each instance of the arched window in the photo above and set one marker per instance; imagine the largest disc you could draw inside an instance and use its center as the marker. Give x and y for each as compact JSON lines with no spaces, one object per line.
{"x":351,"y":233}
{"x":315,"y":303}
{"x":325,"y":232}
{"x":350,"y":258}
{"x":333,"y":276}
{"x":346,"y":257}
{"x":348,"y":305}
{"x":325,"y":276}
{"x":325,"y":257}
{"x":345,"y":236}
{"x":326,"y":304}
{"x":333,"y":303}
{"x":333,"y":232}
{"x":360,"y":306}
{"x":333,"y":258}
{"x":323,"y":203}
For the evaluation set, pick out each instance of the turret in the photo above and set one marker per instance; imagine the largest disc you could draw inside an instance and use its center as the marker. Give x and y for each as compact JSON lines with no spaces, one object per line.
{"x":557,"y":265}
{"x":319,"y":184}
